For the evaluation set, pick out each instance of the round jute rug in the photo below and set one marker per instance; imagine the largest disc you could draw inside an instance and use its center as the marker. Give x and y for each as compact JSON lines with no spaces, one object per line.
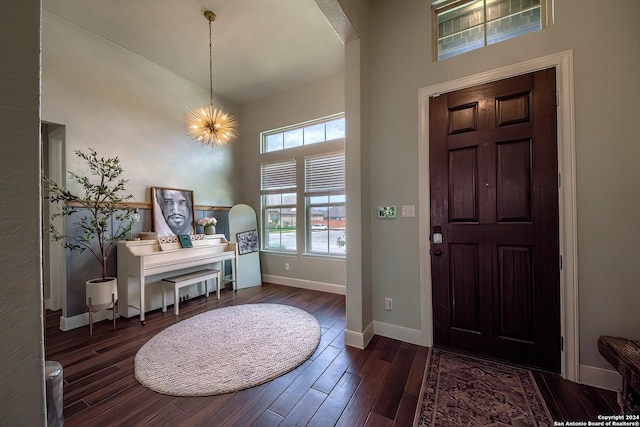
{"x":227,"y":349}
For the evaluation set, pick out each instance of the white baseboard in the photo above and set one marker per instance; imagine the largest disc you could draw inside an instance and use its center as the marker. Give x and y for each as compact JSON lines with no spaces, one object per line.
{"x":305,"y":284}
{"x":602,"y":378}
{"x":401,"y":333}
{"x":69,"y":323}
{"x":359,"y":339}
{"x":353,"y":338}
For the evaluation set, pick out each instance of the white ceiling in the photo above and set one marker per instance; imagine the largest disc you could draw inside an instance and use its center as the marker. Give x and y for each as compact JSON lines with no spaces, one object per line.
{"x":260,"y":47}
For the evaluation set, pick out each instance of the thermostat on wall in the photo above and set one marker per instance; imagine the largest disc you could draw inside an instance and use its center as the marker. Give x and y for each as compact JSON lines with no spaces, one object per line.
{"x":386,"y":211}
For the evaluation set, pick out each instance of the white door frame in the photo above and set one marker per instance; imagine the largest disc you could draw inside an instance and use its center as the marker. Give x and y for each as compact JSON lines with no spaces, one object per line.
{"x":563,"y":63}
{"x":57,"y":253}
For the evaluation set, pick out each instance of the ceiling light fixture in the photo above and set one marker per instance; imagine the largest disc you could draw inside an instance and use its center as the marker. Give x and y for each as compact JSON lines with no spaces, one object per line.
{"x":211,"y":126}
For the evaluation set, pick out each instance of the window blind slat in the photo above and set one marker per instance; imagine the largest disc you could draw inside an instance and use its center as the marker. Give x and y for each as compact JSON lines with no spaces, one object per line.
{"x":325,"y":173}
{"x":276,"y":176}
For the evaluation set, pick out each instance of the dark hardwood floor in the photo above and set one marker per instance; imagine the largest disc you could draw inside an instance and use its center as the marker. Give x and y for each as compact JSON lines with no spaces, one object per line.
{"x":338,"y":385}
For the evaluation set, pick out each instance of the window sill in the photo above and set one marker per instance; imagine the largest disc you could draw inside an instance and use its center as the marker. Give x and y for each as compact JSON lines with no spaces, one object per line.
{"x":338,"y":258}
{"x":279,"y":253}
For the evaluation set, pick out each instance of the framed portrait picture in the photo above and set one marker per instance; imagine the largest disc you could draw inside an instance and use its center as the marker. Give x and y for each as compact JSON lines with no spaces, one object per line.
{"x":173,"y":212}
{"x":247,"y":242}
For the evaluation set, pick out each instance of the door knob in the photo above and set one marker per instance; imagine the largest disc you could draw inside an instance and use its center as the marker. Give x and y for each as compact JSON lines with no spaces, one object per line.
{"x":437,"y":253}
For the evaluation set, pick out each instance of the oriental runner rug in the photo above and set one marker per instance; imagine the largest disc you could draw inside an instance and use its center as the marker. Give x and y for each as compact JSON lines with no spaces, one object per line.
{"x":461,"y":390}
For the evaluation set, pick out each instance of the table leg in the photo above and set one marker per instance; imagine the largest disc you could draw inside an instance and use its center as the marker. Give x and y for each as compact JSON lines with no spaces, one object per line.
{"x":234,"y":277}
{"x":218,"y":284}
{"x":142,"y":286}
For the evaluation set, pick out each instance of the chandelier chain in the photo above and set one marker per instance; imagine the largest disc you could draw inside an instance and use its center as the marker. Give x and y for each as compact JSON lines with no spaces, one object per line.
{"x":210,"y":67}
{"x":211,"y":126}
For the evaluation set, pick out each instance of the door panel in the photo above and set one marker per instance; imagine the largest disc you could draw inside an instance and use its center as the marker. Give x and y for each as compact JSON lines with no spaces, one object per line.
{"x":516,"y":292}
{"x":463,"y":185}
{"x":493,"y":167}
{"x":465,"y":285}
{"x":512,"y":109}
{"x":513,"y":181}
{"x":463,"y":119}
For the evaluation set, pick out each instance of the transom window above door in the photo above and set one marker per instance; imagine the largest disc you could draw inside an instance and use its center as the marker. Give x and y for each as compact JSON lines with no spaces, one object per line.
{"x":464,"y":25}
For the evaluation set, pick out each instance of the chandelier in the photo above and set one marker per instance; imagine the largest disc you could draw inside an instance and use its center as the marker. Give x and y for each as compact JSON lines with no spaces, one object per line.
{"x":211,"y":126}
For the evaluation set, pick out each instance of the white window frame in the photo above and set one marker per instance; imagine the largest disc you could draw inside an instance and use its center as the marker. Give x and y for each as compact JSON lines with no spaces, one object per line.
{"x":299,"y":154}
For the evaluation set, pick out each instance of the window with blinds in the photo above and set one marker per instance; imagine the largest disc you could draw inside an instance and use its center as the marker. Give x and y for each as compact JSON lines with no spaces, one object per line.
{"x":324,"y":174}
{"x":279,"y":199}
{"x":325,"y":201}
{"x":302,"y":187}
{"x":278,"y":176}
{"x":464,"y":25}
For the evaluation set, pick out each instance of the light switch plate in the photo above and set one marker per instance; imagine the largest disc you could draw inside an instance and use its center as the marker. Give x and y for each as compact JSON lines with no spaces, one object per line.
{"x":408,"y":211}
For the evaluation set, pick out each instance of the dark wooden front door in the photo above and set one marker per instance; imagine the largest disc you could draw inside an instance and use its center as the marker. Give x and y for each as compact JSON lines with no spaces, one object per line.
{"x":494,"y":200}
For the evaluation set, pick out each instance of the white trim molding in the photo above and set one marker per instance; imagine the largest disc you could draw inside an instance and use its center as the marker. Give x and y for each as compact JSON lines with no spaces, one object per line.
{"x":601,"y":378}
{"x":57,"y":262}
{"x":80,"y":320}
{"x":305,"y":284}
{"x":359,"y":339}
{"x":563,"y":63}
{"x":412,"y":336}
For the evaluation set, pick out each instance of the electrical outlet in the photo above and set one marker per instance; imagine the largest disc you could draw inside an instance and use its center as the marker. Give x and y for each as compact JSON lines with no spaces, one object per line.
{"x":286,"y":266}
{"x":388,"y":304}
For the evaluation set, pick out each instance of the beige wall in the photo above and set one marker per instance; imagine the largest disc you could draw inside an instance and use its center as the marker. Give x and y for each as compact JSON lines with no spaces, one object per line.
{"x":22,"y":400}
{"x":123,"y":105}
{"x":606,"y":46}
{"x":317,"y":99}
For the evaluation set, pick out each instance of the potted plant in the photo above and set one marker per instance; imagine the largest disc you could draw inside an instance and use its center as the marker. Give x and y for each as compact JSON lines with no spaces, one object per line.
{"x":209,"y":225}
{"x":103,"y":217}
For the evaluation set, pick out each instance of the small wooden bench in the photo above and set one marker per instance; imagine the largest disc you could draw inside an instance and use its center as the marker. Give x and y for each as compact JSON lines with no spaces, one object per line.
{"x":624,"y":356}
{"x":187,"y":279}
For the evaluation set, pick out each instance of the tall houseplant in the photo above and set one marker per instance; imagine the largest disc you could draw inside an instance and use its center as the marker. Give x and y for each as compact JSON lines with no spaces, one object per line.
{"x":104,"y":219}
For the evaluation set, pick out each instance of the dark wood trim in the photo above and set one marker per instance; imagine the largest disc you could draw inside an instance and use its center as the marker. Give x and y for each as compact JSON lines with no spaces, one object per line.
{"x":145,"y":205}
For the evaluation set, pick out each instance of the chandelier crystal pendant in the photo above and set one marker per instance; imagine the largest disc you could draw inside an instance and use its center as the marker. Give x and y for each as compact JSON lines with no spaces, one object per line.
{"x":211,"y":126}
